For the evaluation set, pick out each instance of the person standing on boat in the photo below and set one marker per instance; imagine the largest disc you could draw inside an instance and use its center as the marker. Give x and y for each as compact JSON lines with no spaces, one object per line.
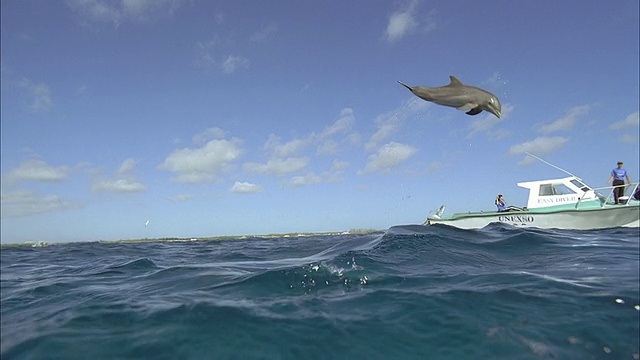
{"x":617,"y":180}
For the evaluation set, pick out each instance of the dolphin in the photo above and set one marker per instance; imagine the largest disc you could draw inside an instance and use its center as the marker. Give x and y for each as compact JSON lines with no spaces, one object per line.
{"x":459,"y":96}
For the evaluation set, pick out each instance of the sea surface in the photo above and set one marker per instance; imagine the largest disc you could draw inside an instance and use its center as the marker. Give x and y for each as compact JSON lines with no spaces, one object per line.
{"x":411,"y":292}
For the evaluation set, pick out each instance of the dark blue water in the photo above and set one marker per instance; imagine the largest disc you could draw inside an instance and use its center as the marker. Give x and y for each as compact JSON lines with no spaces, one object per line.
{"x":410,"y":293}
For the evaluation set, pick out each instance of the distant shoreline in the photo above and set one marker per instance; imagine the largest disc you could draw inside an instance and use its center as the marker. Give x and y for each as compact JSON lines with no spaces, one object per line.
{"x":193,"y":239}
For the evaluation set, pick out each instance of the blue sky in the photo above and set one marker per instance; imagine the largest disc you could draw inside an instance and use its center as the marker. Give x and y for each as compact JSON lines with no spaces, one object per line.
{"x":212,"y":118}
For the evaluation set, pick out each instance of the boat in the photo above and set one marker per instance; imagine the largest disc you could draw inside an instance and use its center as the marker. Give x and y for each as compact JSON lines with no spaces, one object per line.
{"x":563,"y":203}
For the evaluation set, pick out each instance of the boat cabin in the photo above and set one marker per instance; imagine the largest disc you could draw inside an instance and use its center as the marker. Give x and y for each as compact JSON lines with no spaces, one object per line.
{"x":557,"y":192}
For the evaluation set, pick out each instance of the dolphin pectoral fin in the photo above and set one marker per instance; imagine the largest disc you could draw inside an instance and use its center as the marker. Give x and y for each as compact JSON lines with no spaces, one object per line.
{"x":405,"y":85}
{"x":474,"y":111}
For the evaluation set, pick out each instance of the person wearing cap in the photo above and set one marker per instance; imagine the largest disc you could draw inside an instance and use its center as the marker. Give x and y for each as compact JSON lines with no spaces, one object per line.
{"x":617,"y":180}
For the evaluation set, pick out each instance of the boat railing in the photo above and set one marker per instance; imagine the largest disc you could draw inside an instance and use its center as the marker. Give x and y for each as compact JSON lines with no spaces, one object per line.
{"x":628,"y":196}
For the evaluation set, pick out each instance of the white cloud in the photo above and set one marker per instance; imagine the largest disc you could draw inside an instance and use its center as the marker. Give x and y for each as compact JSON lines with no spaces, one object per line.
{"x":328,"y":147}
{"x":629,"y":139}
{"x":388,"y":123}
{"x":245,"y":188}
{"x":495,"y":80}
{"x":25,"y":202}
{"x":308,"y":179}
{"x":125,"y":180}
{"x":488,"y":122}
{"x":538,"y":146}
{"x":566,"y":122}
{"x":278,"y":166}
{"x":181,"y":198}
{"x":339,"y":165}
{"x":408,"y":21}
{"x":38,"y":94}
{"x":290,"y":148}
{"x":632,"y":120}
{"x":203,"y":164}
{"x":117,"y":186}
{"x":401,"y":23}
{"x":287,"y":157}
{"x":204,"y":56}
{"x":498,"y":134}
{"x":333,"y":175}
{"x":208,"y":134}
{"x":342,"y":125}
{"x":118,"y":12}
{"x":389,"y":156}
{"x":233,"y":63}
{"x":264,"y":34}
{"x":38,"y":170}
{"x":127,"y":168}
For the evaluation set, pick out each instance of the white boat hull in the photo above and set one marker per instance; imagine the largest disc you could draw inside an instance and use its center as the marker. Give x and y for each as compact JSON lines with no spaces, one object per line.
{"x":608,"y":217}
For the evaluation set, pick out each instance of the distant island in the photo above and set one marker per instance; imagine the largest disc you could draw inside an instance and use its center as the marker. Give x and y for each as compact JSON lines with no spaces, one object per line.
{"x":189,"y":239}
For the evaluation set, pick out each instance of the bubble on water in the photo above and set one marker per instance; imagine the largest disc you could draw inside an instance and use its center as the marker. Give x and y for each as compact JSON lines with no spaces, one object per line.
{"x":573,"y":340}
{"x":620,"y":301}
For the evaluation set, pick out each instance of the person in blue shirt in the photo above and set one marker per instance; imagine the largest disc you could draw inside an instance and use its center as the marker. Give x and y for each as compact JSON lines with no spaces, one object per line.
{"x":502,"y":205}
{"x":617,"y":180}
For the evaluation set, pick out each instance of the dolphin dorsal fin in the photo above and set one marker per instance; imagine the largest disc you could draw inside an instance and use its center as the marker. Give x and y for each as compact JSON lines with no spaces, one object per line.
{"x":454,"y":80}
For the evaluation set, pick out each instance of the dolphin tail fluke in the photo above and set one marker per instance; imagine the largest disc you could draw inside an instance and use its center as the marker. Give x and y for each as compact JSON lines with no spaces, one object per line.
{"x":405,"y":85}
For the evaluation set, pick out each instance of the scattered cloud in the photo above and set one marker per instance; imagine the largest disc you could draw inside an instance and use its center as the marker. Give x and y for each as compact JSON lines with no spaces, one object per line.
{"x":388,"y":123}
{"x":277,"y":166}
{"x":566,"y":122}
{"x":407,"y":21}
{"x":119,"y":12}
{"x":538,"y":146}
{"x":264,"y":34}
{"x":308,"y":179}
{"x":339,"y":165}
{"x":20,"y":203}
{"x":180,"y":198}
{"x":632,"y":120}
{"x":204,"y":54}
{"x":486,"y":123}
{"x":342,"y":125}
{"x":125,"y":180}
{"x":335,"y":174}
{"x":629,"y":138}
{"x":233,"y":63}
{"x":328,"y":147}
{"x":498,"y":134}
{"x":290,"y":157}
{"x":205,"y":163}
{"x":208,"y":58}
{"x":208,"y":134}
{"x":495,"y":80}
{"x":290,"y":148}
{"x":38,"y":96}
{"x":388,"y":156}
{"x":37,"y":170}
{"x":245,"y":188}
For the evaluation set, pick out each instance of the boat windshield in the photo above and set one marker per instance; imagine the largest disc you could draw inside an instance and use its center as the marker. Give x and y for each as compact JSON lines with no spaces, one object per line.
{"x":554,"y":189}
{"x":580,"y":185}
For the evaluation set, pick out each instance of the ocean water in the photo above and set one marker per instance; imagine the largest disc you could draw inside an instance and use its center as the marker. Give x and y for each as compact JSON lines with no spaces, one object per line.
{"x":411,"y":292}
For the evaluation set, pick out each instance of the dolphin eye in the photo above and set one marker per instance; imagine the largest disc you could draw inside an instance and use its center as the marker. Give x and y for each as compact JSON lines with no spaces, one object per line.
{"x":491,"y":100}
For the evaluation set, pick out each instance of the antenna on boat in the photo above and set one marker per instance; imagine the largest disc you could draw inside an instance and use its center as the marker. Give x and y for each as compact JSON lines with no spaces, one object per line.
{"x":550,"y":164}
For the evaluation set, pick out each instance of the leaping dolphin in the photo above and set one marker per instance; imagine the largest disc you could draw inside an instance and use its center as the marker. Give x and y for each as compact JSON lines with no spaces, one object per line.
{"x":459,"y":96}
